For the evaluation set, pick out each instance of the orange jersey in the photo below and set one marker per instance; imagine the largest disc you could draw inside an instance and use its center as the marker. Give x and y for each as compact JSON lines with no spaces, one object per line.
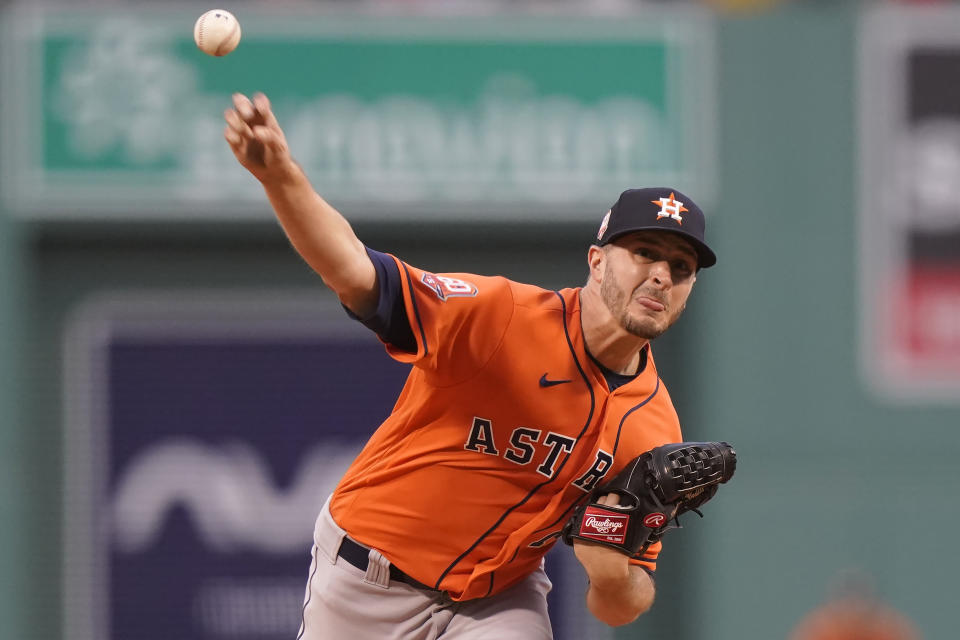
{"x":503,"y":425}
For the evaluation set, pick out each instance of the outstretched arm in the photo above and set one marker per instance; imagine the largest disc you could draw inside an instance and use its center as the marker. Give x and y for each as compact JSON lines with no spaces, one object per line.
{"x":322,"y":237}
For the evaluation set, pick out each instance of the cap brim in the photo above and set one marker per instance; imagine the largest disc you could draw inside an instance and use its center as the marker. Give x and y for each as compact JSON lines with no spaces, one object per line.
{"x":705,"y":255}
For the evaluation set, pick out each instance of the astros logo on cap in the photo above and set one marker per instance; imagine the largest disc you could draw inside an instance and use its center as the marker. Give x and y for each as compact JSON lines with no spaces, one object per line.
{"x":670,"y":208}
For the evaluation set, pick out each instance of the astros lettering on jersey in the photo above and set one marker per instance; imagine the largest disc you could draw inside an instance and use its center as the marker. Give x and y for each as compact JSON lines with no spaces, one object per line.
{"x":502,"y":395}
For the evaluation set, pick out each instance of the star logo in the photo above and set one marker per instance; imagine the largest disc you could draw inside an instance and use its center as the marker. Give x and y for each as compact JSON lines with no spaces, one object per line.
{"x":670,"y":208}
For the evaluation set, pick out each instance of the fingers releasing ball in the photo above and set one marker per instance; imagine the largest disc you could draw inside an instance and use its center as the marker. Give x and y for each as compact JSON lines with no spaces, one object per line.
{"x":217,"y":32}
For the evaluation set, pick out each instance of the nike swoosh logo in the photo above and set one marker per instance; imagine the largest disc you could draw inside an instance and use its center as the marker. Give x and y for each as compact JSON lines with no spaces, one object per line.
{"x":549,"y":383}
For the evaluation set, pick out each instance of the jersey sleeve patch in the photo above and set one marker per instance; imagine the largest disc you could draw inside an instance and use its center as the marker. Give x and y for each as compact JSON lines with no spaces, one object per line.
{"x":446,"y":287}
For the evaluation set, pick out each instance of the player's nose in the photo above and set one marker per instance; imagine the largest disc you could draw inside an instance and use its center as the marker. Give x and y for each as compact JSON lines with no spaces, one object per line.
{"x":660,"y":273}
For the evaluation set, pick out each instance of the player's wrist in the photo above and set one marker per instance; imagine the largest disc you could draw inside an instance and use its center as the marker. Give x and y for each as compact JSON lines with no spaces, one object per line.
{"x":606,"y":568}
{"x":283,"y":173}
{"x":607,"y":583}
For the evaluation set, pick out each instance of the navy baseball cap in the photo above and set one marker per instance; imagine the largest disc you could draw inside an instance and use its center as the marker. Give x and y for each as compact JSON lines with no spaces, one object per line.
{"x":658,"y":209}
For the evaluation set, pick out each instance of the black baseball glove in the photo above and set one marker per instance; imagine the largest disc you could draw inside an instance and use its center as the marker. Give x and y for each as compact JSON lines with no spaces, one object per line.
{"x":654,"y":489}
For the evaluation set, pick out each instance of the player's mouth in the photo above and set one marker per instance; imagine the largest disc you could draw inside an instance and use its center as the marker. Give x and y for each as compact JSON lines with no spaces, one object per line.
{"x":651,"y":303}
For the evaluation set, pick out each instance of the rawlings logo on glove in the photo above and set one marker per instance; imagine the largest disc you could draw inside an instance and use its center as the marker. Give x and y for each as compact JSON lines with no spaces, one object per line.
{"x":600,"y":524}
{"x":654,"y":490}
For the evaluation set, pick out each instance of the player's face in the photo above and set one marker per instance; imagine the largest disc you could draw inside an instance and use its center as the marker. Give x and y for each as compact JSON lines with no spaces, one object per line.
{"x":647,"y":278}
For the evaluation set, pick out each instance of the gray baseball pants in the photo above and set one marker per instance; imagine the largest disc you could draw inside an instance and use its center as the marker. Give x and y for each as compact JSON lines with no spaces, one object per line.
{"x":343,"y":602}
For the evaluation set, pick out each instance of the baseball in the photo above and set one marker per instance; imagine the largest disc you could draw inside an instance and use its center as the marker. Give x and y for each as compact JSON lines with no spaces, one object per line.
{"x":217,"y":32}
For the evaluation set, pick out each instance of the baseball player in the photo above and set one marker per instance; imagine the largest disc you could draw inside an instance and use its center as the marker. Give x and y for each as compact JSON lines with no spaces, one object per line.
{"x":520,"y":403}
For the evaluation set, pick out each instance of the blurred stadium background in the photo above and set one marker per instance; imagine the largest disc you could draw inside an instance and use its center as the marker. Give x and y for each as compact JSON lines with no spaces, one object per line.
{"x":180,"y":390}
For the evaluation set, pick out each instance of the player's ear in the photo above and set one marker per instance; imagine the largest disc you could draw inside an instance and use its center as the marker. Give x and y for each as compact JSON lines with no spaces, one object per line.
{"x":595,"y":259}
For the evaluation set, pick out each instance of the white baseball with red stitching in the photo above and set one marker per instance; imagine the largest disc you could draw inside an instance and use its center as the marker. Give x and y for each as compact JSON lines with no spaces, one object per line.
{"x":217,"y":32}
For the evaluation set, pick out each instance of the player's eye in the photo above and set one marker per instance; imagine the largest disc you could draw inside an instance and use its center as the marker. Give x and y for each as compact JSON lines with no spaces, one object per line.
{"x":646,"y":252}
{"x":683,"y":268}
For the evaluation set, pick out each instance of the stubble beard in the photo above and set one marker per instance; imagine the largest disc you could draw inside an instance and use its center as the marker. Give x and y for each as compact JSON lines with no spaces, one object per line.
{"x":618,"y":304}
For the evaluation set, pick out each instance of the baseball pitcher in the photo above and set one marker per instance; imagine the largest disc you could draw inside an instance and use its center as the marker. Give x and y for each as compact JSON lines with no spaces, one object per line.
{"x":529,"y":416}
